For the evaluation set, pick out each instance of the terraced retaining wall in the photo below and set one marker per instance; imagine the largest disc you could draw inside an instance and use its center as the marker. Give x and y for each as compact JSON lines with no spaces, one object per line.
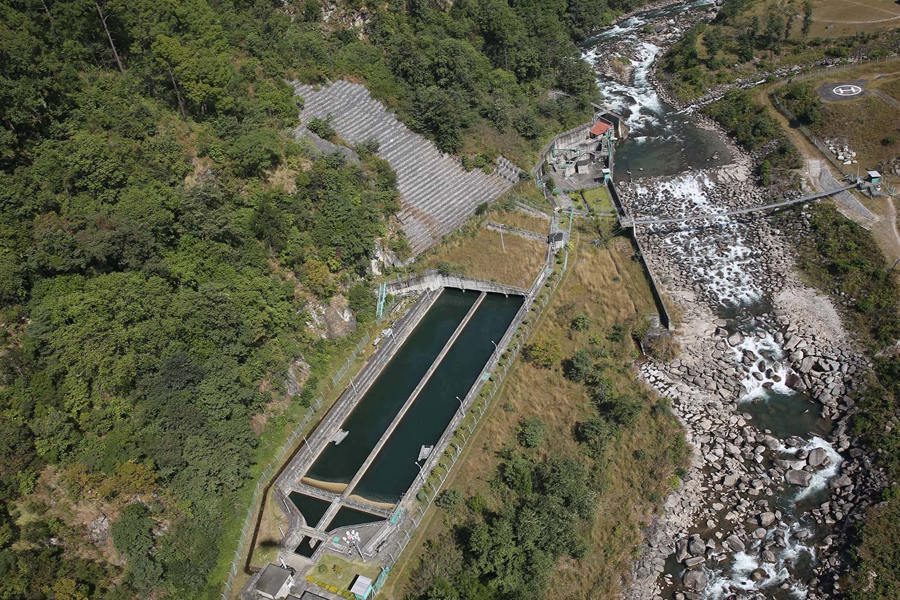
{"x":437,"y":194}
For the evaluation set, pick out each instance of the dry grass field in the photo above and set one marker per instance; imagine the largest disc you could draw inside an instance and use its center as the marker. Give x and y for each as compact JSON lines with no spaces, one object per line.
{"x":520,"y":219}
{"x":838,"y":18}
{"x":607,"y":285}
{"x":870,"y":125}
{"x":482,"y":254}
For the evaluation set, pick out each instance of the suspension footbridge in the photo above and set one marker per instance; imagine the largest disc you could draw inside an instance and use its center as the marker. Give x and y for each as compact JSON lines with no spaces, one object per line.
{"x":629,"y":222}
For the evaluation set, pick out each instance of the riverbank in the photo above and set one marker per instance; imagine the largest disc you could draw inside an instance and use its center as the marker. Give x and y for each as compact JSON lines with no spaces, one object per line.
{"x":766,"y":381}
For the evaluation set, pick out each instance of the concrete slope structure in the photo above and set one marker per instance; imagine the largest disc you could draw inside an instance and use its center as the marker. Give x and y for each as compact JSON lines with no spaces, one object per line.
{"x":437,"y":194}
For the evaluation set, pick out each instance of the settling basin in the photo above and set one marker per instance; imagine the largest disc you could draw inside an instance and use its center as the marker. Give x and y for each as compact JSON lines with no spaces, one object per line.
{"x":414,"y":399}
{"x":338,"y":463}
{"x":394,"y":469}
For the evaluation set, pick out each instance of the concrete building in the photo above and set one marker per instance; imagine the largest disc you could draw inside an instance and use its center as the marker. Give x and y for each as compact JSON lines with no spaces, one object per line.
{"x":362,"y":588}
{"x":582,"y":158}
{"x":274,"y":582}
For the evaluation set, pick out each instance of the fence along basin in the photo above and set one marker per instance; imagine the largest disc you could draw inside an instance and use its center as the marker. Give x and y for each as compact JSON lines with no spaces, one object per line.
{"x":393,"y":469}
{"x":338,"y":463}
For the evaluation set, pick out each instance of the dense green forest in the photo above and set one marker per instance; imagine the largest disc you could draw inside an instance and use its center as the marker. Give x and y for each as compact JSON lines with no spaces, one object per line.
{"x":162,"y":238}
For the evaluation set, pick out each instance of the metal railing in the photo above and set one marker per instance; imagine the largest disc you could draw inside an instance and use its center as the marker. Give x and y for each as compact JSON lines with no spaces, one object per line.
{"x":433,"y":280}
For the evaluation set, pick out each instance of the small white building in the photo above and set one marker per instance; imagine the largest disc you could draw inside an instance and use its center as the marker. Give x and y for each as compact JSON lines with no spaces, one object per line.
{"x":362,"y":587}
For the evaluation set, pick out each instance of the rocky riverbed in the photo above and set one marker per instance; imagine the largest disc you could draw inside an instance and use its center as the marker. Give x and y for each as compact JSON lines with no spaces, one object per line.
{"x":757,"y":514}
{"x":766,"y":374}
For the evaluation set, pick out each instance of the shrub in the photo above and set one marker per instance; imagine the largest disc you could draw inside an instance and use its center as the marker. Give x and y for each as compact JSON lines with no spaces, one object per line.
{"x":531,"y":432}
{"x":322,"y":127}
{"x":579,"y":366}
{"x":580,"y":323}
{"x":449,"y":499}
{"x":542,"y":353}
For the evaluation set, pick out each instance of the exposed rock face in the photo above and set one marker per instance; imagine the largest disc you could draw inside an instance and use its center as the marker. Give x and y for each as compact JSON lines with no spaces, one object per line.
{"x":296,"y":378}
{"x":339,"y":318}
{"x":98,"y":530}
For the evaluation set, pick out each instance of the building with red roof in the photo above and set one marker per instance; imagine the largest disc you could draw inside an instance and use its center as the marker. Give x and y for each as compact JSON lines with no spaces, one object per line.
{"x":600,"y":128}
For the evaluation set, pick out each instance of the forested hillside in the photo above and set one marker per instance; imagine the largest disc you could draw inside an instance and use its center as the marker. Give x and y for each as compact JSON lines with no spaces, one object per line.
{"x":162,"y":238}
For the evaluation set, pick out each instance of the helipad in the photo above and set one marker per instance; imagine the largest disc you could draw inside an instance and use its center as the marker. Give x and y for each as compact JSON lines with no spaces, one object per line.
{"x":847,"y":89}
{"x":837,"y":91}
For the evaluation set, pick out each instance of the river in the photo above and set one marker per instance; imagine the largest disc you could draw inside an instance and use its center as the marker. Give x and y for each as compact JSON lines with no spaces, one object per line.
{"x":756,"y":370}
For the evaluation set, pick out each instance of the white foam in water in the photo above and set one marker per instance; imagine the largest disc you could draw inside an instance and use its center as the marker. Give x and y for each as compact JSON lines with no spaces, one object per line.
{"x":723,"y":583}
{"x":821,"y":477}
{"x":767,"y":350}
{"x":724,"y":274}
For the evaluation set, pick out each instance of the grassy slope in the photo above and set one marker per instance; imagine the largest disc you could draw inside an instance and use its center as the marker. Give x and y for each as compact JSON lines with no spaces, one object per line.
{"x":608,"y":285}
{"x":480,"y":253}
{"x":841,"y":258}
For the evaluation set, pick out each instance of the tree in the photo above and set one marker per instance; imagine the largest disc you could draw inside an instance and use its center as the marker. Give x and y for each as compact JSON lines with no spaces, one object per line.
{"x":132,"y":537}
{"x":254,"y":152}
{"x":807,"y":16}
{"x":531,"y":432}
{"x":440,"y":113}
{"x":270,"y":224}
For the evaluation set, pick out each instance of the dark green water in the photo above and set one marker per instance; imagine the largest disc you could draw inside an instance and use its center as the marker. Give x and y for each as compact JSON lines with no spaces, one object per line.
{"x":311,"y":508}
{"x":393,"y":469}
{"x":786,"y":414}
{"x":346,"y":517}
{"x":307,"y":547}
{"x":371,"y":417}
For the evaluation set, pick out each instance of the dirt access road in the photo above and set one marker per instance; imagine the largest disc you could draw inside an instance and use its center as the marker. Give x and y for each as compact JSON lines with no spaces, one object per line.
{"x":819,"y":173}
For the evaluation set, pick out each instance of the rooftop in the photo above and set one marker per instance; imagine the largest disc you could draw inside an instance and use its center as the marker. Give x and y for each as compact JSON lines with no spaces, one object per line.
{"x":272,"y":580}
{"x":600,"y":127}
{"x":361,"y":585}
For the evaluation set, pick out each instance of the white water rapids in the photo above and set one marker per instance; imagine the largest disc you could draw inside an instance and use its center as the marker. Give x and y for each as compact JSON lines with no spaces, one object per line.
{"x":719,"y":260}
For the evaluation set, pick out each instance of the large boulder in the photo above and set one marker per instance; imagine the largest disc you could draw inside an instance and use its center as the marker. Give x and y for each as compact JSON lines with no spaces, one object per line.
{"x":696,"y":545}
{"x":693,"y":561}
{"x":695,"y":580}
{"x":817,"y":457}
{"x":735,"y":543}
{"x":801,"y":478}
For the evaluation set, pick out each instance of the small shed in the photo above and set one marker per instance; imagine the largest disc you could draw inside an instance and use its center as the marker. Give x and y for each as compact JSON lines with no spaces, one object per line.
{"x":274,"y":582}
{"x":556,"y":240}
{"x":362,"y":587}
{"x":601,"y":128}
